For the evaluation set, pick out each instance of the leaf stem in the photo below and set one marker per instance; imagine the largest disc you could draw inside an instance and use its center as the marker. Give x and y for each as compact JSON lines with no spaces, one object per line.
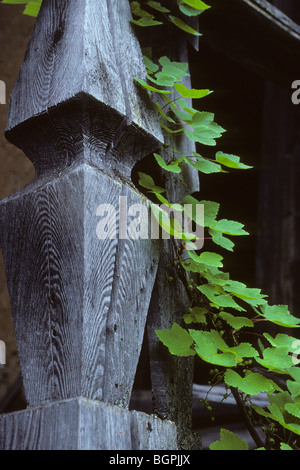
{"x":243,"y":412}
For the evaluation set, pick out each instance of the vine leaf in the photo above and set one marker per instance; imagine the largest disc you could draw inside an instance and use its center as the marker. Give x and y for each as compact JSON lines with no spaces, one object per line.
{"x":197,"y":4}
{"x":219,"y":239}
{"x":252,"y":384}
{"x":293,"y":409}
{"x":151,"y":88}
{"x":211,"y":347}
{"x":231,"y":161}
{"x":187,"y":10}
{"x":145,"y":18}
{"x":249,"y":295}
{"x":191,"y":93}
{"x":148,"y":182}
{"x":278,"y":412}
{"x":32,"y":6}
{"x":236,"y":322}
{"x":276,"y":359}
{"x":177,"y":70}
{"x":229,"y":441}
{"x":203,"y":165}
{"x":282,"y":341}
{"x":230,"y":227}
{"x":177,"y":340}
{"x":280,"y":315}
{"x":205,"y":130}
{"x":294,"y":388}
{"x":182,"y":25}
{"x":284,"y":446}
{"x":207,"y":258}
{"x":158,"y":6}
{"x":173,"y":167}
{"x":219,"y":300}
{"x":195,"y":315}
{"x":150,"y":65}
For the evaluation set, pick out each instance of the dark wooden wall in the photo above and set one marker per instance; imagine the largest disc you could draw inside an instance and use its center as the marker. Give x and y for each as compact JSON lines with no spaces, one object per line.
{"x":278,"y":253}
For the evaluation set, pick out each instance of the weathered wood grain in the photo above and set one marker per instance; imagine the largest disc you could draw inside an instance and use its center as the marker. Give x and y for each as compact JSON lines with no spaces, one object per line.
{"x":83,"y":47}
{"x":257,"y":35}
{"x":79,"y":303}
{"x":82,"y":424}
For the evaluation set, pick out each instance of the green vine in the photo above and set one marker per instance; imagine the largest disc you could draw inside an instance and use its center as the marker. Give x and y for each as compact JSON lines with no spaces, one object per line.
{"x":221,"y":309}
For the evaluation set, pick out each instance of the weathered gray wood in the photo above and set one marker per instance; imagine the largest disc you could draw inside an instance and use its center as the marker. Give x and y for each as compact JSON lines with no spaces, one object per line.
{"x":82,"y":47}
{"x":257,"y":35}
{"x":82,"y":424}
{"x":79,"y":303}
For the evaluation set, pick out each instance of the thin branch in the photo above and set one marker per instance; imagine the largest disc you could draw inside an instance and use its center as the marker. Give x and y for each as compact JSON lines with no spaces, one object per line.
{"x":243,"y":412}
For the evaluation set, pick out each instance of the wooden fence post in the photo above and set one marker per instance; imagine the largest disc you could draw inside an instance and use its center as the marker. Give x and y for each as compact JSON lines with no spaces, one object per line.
{"x":79,"y":291}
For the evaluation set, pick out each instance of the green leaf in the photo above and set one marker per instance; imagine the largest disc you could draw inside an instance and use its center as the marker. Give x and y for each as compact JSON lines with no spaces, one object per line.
{"x":203,"y":165}
{"x":138,"y":11}
{"x":146,"y":19}
{"x":173,"y":167}
{"x":177,"y":70}
{"x":191,"y":93}
{"x":284,"y":446}
{"x":244,"y":350}
{"x":211,"y":210}
{"x":197,"y":4}
{"x":207,"y":348}
{"x":182,"y":25}
{"x":280,"y":315}
{"x":195,"y":315}
{"x":207,"y":258}
{"x":219,"y":239}
{"x":220,"y":300}
{"x":277,"y":411}
{"x":276,"y":359}
{"x":162,"y":79}
{"x":249,"y":295}
{"x":145,"y":22}
{"x":147,"y":182}
{"x":177,"y":340}
{"x":293,"y":409}
{"x":157,"y":6}
{"x":236,"y":322}
{"x":231,"y":161}
{"x":205,"y":130}
{"x":151,"y":88}
{"x":189,"y":11}
{"x":229,"y":441}
{"x":217,"y":278}
{"x":229,"y":227}
{"x":163,"y":114}
{"x":171,"y":131}
{"x":32,"y":7}
{"x":251,"y":384}
{"x":151,"y":66}
{"x":282,"y":341}
{"x":175,"y":207}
